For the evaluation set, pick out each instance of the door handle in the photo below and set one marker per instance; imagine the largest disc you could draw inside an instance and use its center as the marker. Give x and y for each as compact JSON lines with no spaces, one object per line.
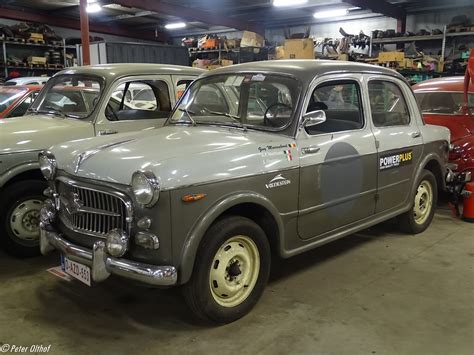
{"x":310,"y":150}
{"x":106,"y":132}
{"x":416,"y":134}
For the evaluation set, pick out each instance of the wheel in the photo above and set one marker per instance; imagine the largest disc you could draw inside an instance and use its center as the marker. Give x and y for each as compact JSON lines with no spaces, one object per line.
{"x":231,"y":269}
{"x":19,"y":217}
{"x":420,"y":216}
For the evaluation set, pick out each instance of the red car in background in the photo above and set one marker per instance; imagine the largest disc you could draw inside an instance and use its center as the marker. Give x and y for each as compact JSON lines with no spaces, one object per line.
{"x":15,"y":100}
{"x":442,"y":103}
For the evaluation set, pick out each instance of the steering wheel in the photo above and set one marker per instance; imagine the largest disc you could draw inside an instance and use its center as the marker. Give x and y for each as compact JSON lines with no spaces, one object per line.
{"x":110,"y":113}
{"x":272,"y":120}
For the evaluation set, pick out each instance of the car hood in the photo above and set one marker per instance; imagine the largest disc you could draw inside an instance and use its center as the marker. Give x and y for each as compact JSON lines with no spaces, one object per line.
{"x":36,"y":132}
{"x":177,"y":155}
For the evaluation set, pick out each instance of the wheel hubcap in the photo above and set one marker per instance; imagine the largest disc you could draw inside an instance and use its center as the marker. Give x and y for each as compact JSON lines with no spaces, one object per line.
{"x":423,"y":202}
{"x":234,"y":271}
{"x":24,"y":220}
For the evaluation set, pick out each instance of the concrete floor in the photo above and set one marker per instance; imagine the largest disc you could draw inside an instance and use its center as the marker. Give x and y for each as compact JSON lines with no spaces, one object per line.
{"x":376,"y":292}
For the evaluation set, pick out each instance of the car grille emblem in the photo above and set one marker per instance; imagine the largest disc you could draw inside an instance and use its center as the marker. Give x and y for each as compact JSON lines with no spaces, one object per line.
{"x":74,"y":204}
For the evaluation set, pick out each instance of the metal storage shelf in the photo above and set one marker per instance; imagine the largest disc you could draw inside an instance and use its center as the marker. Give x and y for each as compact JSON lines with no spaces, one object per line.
{"x":30,"y":68}
{"x":407,"y":39}
{"x":442,"y":37}
{"x":6,"y":46}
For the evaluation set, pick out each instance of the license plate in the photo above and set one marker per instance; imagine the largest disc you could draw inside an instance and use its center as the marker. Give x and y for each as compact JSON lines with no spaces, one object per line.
{"x":78,"y":271}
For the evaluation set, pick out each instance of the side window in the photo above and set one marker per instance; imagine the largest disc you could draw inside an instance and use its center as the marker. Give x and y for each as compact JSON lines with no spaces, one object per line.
{"x":138,"y":100}
{"x":20,"y":110}
{"x":341,"y":101}
{"x":210,"y":98}
{"x":388,"y":105}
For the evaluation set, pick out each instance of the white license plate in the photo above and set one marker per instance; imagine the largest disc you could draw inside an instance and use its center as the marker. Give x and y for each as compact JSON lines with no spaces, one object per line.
{"x":78,"y":271}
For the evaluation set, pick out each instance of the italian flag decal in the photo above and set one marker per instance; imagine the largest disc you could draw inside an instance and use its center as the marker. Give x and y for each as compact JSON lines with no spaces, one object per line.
{"x":289,"y":157}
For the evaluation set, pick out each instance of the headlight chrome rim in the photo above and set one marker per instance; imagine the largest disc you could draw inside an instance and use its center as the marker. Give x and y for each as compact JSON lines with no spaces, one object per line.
{"x":150,"y":199}
{"x":48,"y":164}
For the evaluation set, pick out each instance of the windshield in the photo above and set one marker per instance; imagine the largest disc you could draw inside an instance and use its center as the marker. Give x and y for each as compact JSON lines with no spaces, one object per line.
{"x":8,"y":95}
{"x":74,"y":96}
{"x":442,"y":102}
{"x":246,"y":100}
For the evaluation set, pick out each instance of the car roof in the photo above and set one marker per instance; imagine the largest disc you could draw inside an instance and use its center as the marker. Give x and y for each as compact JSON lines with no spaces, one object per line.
{"x":449,"y":83}
{"x":23,"y":87}
{"x":28,"y":78}
{"x":306,"y":69}
{"x":112,"y":71}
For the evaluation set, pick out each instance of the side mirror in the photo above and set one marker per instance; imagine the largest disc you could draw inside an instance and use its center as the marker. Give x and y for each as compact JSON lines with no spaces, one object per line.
{"x":313,"y":118}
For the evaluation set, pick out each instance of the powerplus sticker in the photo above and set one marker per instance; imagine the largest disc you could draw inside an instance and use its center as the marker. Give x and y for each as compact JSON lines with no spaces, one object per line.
{"x":395,"y":160}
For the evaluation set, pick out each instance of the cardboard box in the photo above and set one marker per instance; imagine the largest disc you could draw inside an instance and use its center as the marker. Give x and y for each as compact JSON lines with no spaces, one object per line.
{"x":232,"y":43}
{"x":36,"y":36}
{"x":299,"y":48}
{"x":36,"y":60}
{"x":386,"y":57}
{"x":226,"y":62}
{"x":280,"y":52}
{"x":201,"y":63}
{"x":252,"y":39}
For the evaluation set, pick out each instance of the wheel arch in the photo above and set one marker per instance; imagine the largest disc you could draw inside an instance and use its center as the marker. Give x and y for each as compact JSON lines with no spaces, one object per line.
{"x":28,"y":171}
{"x":434,"y":166}
{"x":247,"y":204}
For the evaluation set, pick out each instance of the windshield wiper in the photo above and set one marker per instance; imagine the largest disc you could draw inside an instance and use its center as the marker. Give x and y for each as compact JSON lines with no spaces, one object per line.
{"x":55,"y":111}
{"x":188,"y":113}
{"x":226,"y":114}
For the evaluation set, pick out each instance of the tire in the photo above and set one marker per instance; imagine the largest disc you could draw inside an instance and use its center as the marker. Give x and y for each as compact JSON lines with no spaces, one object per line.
{"x":420,"y":215}
{"x":244,"y":247}
{"x":19,"y":217}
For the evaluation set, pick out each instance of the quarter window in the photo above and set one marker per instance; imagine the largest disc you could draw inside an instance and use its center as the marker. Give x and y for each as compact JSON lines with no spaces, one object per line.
{"x":342,"y":104}
{"x":388,"y":105}
{"x":137,"y":100}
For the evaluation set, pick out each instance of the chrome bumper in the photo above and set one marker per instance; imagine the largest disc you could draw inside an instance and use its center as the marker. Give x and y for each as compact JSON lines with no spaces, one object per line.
{"x":103,"y":265}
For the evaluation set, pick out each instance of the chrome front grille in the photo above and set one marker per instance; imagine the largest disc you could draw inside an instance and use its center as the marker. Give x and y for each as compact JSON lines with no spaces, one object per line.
{"x":90,"y":211}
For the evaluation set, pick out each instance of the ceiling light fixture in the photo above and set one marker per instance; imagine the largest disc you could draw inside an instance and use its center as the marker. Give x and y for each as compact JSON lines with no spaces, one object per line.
{"x":281,"y":3}
{"x":174,"y":26}
{"x":93,"y":7}
{"x":330,"y":13}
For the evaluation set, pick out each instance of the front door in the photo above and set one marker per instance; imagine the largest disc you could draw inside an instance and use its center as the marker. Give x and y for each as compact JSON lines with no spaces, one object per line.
{"x":338,"y":160}
{"x":134,"y":104}
{"x":400,"y":144}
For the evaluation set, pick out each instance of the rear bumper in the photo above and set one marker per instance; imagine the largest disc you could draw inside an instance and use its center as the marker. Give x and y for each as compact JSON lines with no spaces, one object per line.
{"x":103,"y":265}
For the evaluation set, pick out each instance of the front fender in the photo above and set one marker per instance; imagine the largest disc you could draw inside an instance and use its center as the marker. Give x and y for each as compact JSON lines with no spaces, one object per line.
{"x":12,"y":165}
{"x":199,"y":229}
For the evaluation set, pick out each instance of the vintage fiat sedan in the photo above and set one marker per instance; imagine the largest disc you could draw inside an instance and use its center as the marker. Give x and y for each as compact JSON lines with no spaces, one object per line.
{"x":257,"y":160}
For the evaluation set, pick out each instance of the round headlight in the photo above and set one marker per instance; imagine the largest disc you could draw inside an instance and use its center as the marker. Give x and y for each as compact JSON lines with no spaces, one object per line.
{"x":146,"y":188}
{"x":47,"y":163}
{"x":117,"y":243}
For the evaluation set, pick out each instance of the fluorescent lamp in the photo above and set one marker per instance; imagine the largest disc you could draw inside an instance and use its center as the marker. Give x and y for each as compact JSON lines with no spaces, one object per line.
{"x":330,"y":13}
{"x":94,"y":7}
{"x":281,"y":3}
{"x":174,"y":26}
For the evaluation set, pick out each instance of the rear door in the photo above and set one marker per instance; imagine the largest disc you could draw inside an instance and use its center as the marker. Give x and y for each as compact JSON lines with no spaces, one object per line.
{"x":338,"y":159}
{"x":134,"y":104}
{"x":399,"y":140}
